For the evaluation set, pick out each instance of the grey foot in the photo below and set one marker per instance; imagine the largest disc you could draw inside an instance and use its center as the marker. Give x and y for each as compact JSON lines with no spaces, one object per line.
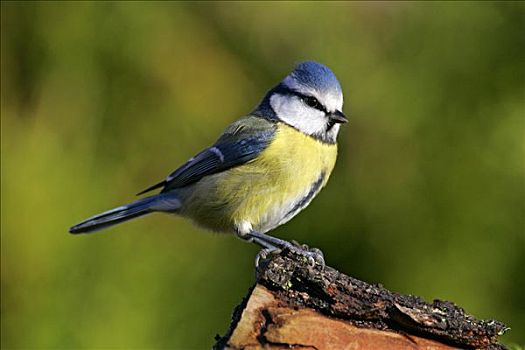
{"x":273,"y":245}
{"x":314,"y":255}
{"x":264,"y":253}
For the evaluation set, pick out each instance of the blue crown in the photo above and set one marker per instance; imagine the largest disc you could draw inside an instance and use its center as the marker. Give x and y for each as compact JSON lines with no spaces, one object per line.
{"x":317,"y":76}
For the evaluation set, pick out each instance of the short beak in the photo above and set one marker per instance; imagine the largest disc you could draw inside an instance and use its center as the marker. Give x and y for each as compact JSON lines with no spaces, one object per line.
{"x":338,"y":117}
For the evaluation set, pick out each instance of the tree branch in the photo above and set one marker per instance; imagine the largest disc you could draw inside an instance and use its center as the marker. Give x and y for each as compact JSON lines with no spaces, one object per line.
{"x":295,"y":305}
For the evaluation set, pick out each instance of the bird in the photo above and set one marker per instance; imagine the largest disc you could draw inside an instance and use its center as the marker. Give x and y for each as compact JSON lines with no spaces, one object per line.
{"x":261,"y":172}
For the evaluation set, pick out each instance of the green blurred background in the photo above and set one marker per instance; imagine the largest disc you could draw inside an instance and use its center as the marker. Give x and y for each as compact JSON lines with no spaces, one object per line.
{"x":100,"y":100}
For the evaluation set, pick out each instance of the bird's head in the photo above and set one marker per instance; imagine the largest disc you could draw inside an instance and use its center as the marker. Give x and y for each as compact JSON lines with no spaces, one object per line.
{"x":309,"y":99}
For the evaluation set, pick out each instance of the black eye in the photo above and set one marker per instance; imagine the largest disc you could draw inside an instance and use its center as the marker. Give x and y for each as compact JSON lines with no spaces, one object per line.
{"x":312,"y":102}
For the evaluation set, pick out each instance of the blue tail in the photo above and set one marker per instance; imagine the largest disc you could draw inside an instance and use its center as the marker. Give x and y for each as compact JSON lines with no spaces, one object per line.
{"x":160,"y":202}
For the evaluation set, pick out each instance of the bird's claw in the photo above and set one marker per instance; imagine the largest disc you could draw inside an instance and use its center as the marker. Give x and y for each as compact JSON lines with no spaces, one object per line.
{"x":313,"y":255}
{"x":272,"y":245}
{"x":264,"y":253}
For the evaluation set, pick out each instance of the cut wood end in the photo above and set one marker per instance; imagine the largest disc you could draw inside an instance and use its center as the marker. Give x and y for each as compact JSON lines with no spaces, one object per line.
{"x":265,"y":324}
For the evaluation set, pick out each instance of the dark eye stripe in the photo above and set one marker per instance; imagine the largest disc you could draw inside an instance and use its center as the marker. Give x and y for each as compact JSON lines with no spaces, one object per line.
{"x":308,"y":100}
{"x":313,"y":102}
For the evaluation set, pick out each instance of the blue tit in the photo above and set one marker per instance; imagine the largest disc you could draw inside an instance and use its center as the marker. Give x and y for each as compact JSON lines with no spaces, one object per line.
{"x":262,"y":171}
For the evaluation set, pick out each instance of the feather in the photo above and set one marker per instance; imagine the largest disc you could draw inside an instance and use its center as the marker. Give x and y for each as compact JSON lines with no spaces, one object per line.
{"x":241,"y":142}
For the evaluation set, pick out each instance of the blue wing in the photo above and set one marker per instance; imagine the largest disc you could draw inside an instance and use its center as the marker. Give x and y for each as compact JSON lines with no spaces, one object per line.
{"x":241,"y":142}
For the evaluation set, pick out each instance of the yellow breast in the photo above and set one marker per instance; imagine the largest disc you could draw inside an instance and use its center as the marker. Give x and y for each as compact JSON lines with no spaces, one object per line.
{"x":265,"y":190}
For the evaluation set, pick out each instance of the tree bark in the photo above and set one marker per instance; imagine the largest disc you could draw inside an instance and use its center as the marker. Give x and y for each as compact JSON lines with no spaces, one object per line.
{"x":296,"y":305}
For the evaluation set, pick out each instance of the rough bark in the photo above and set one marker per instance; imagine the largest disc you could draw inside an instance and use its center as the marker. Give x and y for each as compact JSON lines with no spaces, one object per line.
{"x":296,"y":305}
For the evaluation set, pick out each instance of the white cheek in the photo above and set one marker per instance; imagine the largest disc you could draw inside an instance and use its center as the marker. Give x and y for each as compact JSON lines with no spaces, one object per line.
{"x":292,"y":111}
{"x":332,"y":133}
